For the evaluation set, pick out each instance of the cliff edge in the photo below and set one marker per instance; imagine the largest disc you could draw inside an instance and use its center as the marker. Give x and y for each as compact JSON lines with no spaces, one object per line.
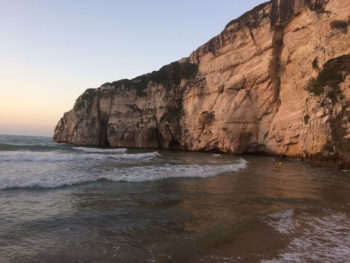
{"x":275,"y":80}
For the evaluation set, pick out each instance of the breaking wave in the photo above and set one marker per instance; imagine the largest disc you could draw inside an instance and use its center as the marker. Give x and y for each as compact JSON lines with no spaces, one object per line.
{"x":25,"y":156}
{"x":99,"y":150}
{"x":29,"y":147}
{"x":35,"y":162}
{"x":283,"y":221}
{"x":153,"y":173}
{"x":323,"y":238}
{"x":126,"y":174}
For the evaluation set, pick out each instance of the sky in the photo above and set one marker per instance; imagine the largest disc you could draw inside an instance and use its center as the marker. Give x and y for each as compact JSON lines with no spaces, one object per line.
{"x":53,"y":50}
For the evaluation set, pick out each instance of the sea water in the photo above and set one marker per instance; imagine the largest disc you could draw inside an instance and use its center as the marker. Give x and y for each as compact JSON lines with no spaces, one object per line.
{"x":61,"y":203}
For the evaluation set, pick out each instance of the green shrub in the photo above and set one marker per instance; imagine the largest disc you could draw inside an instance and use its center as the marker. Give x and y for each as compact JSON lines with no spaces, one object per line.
{"x":331,"y":74}
{"x":345,"y":146}
{"x":332,"y":95}
{"x":168,"y":75}
{"x":326,"y":76}
{"x":86,"y":99}
{"x":341,"y":25}
{"x":79,"y":104}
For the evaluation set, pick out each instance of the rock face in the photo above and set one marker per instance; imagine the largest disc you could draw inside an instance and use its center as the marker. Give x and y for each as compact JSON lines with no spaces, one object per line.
{"x":276,"y":80}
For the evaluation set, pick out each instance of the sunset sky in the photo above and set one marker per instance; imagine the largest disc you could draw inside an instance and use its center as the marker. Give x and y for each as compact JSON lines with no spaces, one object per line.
{"x":51,"y":51}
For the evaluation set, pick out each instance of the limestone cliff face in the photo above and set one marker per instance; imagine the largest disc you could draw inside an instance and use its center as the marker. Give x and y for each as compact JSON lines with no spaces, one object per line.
{"x":275,"y":80}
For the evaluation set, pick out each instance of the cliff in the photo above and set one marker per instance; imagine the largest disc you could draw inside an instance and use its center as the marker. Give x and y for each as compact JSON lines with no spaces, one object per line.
{"x":275,"y":80}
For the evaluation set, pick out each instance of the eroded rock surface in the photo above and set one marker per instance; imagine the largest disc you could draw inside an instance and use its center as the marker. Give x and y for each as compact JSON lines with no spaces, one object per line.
{"x":276,"y":80}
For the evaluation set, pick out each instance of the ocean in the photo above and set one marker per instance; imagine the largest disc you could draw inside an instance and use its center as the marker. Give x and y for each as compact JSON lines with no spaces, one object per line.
{"x":61,"y":203}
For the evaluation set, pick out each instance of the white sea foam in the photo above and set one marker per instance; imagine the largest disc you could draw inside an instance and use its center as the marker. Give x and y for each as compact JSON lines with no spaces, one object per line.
{"x":23,"y":156}
{"x":283,"y":221}
{"x":100,"y":150}
{"x":146,"y":155}
{"x":282,"y":215}
{"x":152,"y":173}
{"x":324,"y":238}
{"x":81,"y":174}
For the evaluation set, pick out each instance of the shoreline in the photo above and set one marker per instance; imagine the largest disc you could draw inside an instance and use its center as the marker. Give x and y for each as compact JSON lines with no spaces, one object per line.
{"x":317,"y":160}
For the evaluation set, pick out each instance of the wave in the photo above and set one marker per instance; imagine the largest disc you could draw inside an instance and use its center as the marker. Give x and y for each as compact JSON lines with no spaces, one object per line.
{"x":29,"y":147}
{"x":321,"y":238}
{"x":283,"y":221}
{"x":22,"y":141}
{"x":22,"y":156}
{"x":154,"y":173}
{"x":54,"y":147}
{"x":135,"y":155}
{"x":121,"y":174}
{"x":25,"y":156}
{"x":100,"y":150}
{"x":282,"y":215}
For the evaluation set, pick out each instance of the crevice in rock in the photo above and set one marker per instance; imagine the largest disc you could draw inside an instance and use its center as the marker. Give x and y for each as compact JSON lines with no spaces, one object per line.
{"x":275,"y":64}
{"x":281,"y":11}
{"x":317,"y":5}
{"x":253,"y":38}
{"x":103,"y":135}
{"x":103,"y":125}
{"x":174,"y":145}
{"x":169,"y":127}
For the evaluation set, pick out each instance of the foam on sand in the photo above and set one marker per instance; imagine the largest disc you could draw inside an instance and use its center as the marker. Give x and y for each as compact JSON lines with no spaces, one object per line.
{"x":323,"y":238}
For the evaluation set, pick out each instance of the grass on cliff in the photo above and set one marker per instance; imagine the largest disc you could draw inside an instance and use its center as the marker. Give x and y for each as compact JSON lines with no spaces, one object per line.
{"x":86,"y":99}
{"x":339,"y":142}
{"x":168,"y":75}
{"x":315,"y":63}
{"x":331,"y":74}
{"x":341,"y":25}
